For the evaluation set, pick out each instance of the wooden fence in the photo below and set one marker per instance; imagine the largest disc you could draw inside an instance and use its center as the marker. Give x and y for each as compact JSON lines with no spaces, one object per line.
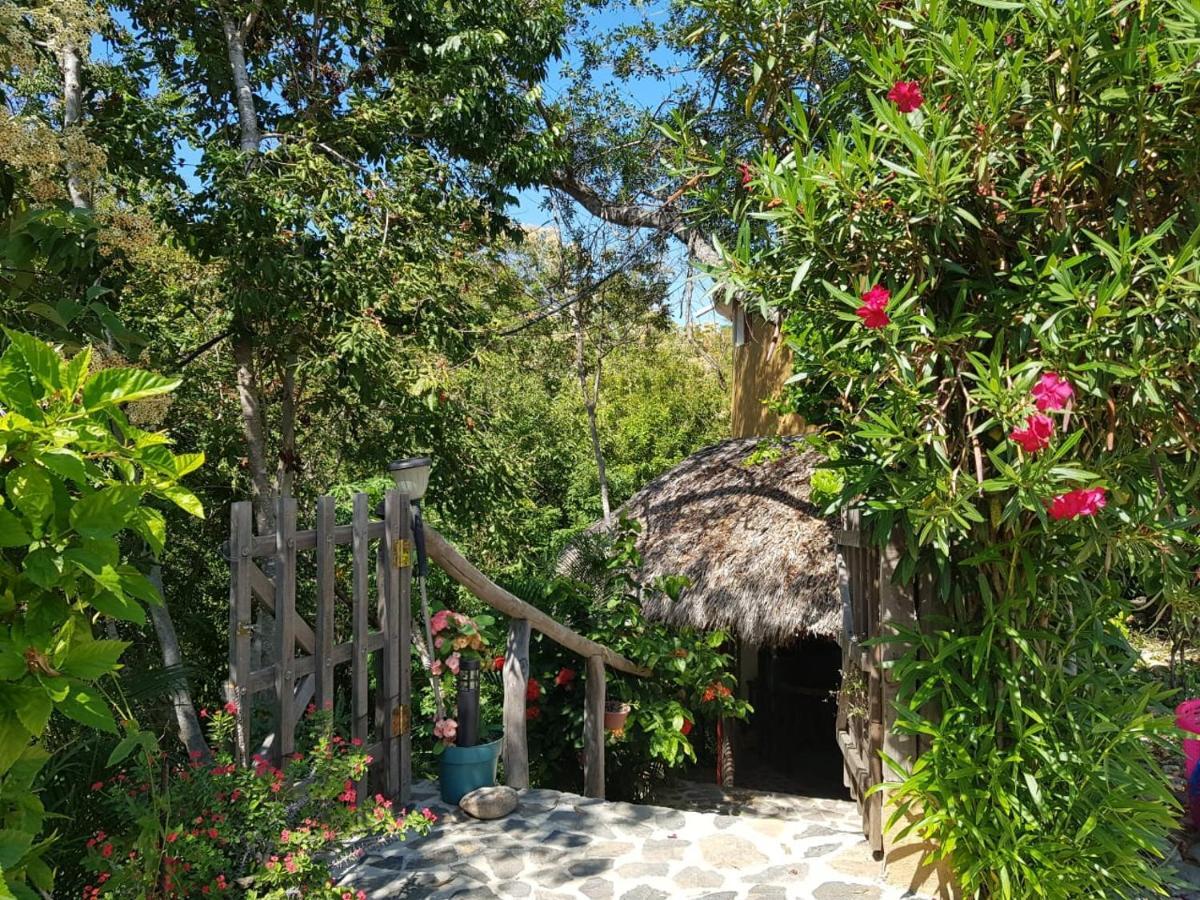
{"x":378,"y":635}
{"x":866,"y":705}
{"x":293,"y":680}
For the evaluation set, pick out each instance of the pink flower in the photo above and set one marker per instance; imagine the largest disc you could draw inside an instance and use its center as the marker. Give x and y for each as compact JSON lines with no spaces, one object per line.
{"x":436,"y":667}
{"x":1035,"y":434}
{"x":564,"y":677}
{"x":906,"y":95}
{"x":1079,"y":502}
{"x":1052,"y":392}
{"x":446,"y":729}
{"x":231,"y":708}
{"x":438,"y":641}
{"x":452,"y":662}
{"x":747,"y":174}
{"x":98,"y":786}
{"x":873,"y":312}
{"x":440,"y":620}
{"x":289,"y":863}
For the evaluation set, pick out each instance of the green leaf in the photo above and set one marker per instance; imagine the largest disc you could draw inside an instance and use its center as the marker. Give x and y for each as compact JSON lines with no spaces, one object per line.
{"x":12,"y":532}
{"x":30,"y":704}
{"x":86,"y":706}
{"x":14,"y":738}
{"x":76,"y":371}
{"x":128,"y":744}
{"x":105,"y":512}
{"x":113,"y":386}
{"x":90,"y":659}
{"x":118,"y":606}
{"x":43,"y":362}
{"x":30,"y":490}
{"x":183,"y":498}
{"x":151,"y":525}
{"x":66,"y":464}
{"x":13,"y":845}
{"x":43,"y":567}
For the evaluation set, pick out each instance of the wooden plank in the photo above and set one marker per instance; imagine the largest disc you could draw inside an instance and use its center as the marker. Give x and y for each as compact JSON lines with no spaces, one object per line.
{"x":404,"y":653}
{"x":389,"y":624}
{"x":285,"y":627}
{"x":516,"y":680}
{"x":458,"y":568}
{"x":326,"y":571}
{"x":360,"y":582}
{"x":896,"y":609}
{"x":593,"y":729}
{"x":241,"y":623}
{"x":264,"y":591}
{"x":264,"y":545}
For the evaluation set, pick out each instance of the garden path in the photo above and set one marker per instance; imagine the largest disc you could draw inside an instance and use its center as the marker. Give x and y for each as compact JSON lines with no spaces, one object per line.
{"x":722,"y":846}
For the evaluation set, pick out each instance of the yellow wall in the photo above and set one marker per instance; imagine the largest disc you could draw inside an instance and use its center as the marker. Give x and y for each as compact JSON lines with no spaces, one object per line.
{"x":762,"y":363}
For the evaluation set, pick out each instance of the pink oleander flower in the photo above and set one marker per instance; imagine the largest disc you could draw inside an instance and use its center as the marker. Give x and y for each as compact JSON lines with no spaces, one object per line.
{"x":1052,"y":392}
{"x":1079,"y":502}
{"x":873,"y":312}
{"x":906,"y":95}
{"x":1035,"y":434}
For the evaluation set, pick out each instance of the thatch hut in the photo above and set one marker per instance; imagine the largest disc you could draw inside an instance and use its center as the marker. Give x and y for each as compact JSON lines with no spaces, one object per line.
{"x":762,"y":566}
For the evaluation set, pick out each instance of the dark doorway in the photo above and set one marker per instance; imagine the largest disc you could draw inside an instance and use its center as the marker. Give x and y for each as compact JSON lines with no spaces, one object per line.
{"x":790,"y":744}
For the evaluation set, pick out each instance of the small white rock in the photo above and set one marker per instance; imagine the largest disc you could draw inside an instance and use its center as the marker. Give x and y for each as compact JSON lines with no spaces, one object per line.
{"x":493,"y":802}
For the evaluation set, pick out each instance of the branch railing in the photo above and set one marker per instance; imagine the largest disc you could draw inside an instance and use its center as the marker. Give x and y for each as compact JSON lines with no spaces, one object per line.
{"x":524,"y":617}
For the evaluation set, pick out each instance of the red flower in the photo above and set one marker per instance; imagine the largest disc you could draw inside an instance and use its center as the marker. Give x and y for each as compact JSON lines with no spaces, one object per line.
{"x":497,"y":663}
{"x":532,"y":712}
{"x":99,"y":785}
{"x":564,"y":677}
{"x":873,"y":312}
{"x":533,"y":690}
{"x":1052,"y":392}
{"x":106,"y":851}
{"x":747,"y":173}
{"x":686,"y":728}
{"x":906,"y":95}
{"x":1035,"y":434}
{"x":231,"y":708}
{"x":1079,"y":502}
{"x":204,"y":712}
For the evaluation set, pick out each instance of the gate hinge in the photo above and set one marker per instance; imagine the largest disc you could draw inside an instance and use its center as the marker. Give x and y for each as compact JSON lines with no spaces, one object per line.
{"x":402,"y":554}
{"x":400,"y":720}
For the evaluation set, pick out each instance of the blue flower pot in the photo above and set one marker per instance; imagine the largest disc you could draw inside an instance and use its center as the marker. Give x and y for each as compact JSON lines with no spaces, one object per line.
{"x":463,"y":769}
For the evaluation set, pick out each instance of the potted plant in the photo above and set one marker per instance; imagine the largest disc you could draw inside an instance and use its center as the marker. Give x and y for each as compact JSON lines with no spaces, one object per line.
{"x":465,"y":762}
{"x":615,"y":714}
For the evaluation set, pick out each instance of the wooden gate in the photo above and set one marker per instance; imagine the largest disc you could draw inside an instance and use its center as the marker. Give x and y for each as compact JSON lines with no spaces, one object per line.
{"x":337,"y":595}
{"x":866,"y":703}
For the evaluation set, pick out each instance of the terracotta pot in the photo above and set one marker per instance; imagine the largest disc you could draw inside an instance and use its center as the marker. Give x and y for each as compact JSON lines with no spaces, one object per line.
{"x":615,"y":715}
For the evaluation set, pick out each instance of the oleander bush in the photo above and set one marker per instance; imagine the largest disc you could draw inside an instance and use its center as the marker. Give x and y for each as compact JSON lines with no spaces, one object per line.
{"x":978,"y":225}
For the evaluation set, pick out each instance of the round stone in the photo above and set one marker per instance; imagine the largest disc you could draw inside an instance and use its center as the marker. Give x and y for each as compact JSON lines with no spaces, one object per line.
{"x":493,"y":802}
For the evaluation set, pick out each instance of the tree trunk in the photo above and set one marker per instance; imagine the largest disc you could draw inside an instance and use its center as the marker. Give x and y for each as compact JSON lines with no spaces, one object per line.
{"x":70,"y":61}
{"x":190,"y":732}
{"x":286,"y":469}
{"x":253,"y":430}
{"x":242,"y":94}
{"x":590,"y":399}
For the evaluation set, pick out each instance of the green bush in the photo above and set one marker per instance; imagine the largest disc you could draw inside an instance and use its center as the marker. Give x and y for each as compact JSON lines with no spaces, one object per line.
{"x":76,"y":478}
{"x":978,"y":221}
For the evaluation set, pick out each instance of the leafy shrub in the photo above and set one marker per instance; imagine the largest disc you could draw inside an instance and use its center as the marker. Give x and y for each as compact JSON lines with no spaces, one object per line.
{"x":693,"y":680}
{"x":978,"y":222}
{"x":76,"y":478}
{"x":223,"y":831}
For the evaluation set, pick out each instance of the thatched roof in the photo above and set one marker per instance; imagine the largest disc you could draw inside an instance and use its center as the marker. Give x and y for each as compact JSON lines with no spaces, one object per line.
{"x":759,"y":556}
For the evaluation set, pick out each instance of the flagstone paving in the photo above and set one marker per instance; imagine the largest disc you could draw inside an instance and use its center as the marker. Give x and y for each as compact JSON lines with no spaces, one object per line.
{"x":726,"y":846}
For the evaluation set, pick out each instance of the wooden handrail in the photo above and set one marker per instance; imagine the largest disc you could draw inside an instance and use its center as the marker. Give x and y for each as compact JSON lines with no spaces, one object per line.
{"x":457,"y":567}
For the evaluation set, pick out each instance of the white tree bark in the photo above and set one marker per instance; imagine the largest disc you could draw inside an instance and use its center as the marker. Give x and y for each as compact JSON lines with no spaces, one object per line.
{"x":243,"y":96}
{"x":190,"y":732}
{"x":70,"y":61}
{"x":591,"y":397}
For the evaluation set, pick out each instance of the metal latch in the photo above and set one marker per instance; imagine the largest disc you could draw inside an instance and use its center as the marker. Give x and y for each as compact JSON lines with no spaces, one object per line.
{"x":400,"y":720}
{"x":402,"y":554}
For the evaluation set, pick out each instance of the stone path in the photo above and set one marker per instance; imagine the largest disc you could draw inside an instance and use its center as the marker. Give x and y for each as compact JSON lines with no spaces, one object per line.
{"x":562,"y":845}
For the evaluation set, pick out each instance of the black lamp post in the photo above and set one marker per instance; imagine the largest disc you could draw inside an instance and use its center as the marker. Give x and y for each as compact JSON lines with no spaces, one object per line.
{"x":468,"y":703}
{"x":412,"y":478}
